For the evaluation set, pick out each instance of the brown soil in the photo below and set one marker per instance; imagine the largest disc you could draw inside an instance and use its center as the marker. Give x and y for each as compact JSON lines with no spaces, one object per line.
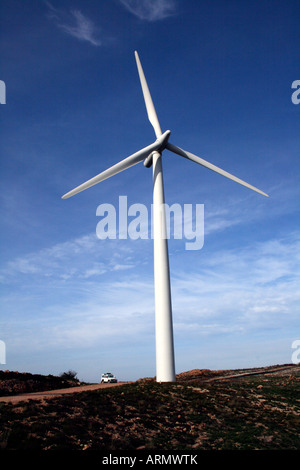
{"x":204,"y":410}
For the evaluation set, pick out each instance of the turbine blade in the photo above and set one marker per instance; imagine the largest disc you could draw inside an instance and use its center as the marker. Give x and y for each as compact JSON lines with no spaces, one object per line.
{"x":113,"y":170}
{"x":201,"y":161}
{"x":147,"y":97}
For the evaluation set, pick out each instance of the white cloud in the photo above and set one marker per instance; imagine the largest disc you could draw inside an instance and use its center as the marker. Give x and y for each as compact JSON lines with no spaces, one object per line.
{"x":83,"y":257}
{"x":150,"y":10}
{"x":90,"y":293}
{"x":76,"y":24}
{"x":246,"y":289}
{"x":251,"y":289}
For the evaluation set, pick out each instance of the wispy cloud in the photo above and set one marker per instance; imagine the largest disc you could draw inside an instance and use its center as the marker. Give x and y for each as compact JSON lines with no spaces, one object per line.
{"x":83,"y":257}
{"x":246,"y":289}
{"x":258,"y":291}
{"x":150,"y":10}
{"x":75,"y":295}
{"x":76,"y":24}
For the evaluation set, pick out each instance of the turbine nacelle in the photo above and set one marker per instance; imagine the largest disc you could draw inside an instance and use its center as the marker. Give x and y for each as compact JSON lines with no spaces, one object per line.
{"x":149,"y":160}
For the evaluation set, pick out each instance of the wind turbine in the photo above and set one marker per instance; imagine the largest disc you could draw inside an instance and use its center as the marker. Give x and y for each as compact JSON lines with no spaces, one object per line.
{"x":165,"y":363}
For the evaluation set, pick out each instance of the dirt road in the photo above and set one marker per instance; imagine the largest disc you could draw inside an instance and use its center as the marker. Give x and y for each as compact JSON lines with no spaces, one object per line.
{"x":274,"y":371}
{"x":55,"y":393}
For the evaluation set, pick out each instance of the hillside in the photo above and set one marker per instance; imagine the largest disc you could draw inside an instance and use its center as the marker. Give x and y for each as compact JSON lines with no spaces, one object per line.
{"x":16,"y":383}
{"x":208,"y":410}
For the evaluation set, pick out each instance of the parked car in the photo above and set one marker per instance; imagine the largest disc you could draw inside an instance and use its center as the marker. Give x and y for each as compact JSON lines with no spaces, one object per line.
{"x":108,"y":377}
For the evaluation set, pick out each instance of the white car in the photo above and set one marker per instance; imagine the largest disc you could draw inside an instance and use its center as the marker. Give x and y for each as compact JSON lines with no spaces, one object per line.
{"x":108,"y":378}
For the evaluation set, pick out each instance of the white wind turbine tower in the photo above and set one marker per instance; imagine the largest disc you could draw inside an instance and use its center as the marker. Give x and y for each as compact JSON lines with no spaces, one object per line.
{"x":165,"y":363}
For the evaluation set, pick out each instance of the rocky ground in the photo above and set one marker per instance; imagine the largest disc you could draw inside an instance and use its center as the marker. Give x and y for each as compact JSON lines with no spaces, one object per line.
{"x":205,"y":410}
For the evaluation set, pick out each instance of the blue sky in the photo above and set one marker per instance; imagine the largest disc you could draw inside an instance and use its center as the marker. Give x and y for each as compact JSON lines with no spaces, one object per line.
{"x":220,"y":74}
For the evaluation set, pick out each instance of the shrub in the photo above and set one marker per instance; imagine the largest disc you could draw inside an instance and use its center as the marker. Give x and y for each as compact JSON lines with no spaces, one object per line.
{"x":70,"y":375}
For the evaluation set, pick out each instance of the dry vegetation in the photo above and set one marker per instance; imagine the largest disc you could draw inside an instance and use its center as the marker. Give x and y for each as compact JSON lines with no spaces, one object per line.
{"x":17,"y":383}
{"x":203,"y":410}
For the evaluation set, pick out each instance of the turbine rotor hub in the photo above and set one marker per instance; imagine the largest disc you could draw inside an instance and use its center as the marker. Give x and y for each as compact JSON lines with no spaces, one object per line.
{"x":163,"y":140}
